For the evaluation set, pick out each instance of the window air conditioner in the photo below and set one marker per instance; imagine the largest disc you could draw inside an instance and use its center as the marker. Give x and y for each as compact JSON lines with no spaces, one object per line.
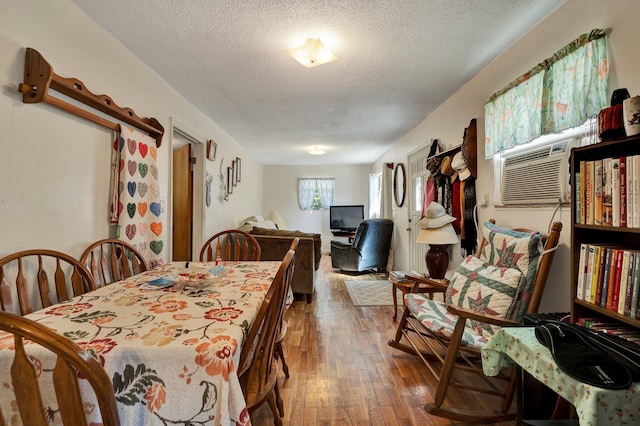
{"x":538,"y":175}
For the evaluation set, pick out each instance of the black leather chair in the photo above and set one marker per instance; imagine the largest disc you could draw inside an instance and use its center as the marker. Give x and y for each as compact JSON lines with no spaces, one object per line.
{"x":369,"y":250}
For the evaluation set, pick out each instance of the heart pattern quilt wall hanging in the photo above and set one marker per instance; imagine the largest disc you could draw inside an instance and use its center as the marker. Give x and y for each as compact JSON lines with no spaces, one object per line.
{"x":135,"y":200}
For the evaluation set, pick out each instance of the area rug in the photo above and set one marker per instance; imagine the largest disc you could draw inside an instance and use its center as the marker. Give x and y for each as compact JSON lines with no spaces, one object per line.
{"x":371,"y":292}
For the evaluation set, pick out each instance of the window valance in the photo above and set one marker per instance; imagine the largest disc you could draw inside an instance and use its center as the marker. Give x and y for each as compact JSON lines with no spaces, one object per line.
{"x":559,"y":93}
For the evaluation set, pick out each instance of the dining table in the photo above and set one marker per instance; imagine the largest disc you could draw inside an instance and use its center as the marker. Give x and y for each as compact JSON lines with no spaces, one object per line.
{"x":172,"y":352}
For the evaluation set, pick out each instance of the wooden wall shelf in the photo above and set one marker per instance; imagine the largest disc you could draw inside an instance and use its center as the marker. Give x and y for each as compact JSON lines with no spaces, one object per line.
{"x":39,"y":78}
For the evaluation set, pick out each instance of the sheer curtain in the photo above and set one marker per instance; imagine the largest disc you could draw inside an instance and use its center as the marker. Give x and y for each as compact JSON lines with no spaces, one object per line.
{"x":560,"y":93}
{"x":375,"y":195}
{"x":315,"y":193}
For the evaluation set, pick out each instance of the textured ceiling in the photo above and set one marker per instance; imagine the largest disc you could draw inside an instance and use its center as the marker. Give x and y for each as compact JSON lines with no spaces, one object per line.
{"x":398,"y":60}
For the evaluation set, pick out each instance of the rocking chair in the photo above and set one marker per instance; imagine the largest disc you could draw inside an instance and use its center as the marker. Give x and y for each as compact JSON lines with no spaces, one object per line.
{"x":493,"y":290}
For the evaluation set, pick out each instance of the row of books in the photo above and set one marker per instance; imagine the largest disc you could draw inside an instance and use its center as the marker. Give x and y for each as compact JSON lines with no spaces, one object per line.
{"x":607,"y":325}
{"x":609,"y":277}
{"x":608,"y":192}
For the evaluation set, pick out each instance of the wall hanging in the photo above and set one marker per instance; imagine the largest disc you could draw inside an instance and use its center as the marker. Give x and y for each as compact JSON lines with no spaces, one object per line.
{"x":39,"y":77}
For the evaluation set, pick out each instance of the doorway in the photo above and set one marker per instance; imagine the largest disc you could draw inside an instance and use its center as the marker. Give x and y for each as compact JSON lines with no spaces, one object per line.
{"x":417,"y":181}
{"x":187,"y":204}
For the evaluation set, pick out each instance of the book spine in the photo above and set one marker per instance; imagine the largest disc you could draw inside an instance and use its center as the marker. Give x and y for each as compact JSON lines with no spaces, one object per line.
{"x":607,"y":195}
{"x":636,"y":287}
{"x":629,"y":293}
{"x":589,"y":275}
{"x":583,"y":188}
{"x":616,"y":282}
{"x":600,"y":281}
{"x":629,"y":190}
{"x":615,"y":192}
{"x":597,"y":193}
{"x":595,"y":274}
{"x":612,"y":278}
{"x":582,"y":264}
{"x":624,"y":274}
{"x":588,"y":192}
{"x":623,"y":191}
{"x":578,"y":194}
{"x":635,"y":207}
{"x":605,"y":277}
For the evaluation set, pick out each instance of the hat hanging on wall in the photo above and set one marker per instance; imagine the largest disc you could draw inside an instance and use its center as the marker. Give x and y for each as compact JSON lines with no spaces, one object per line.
{"x":447,"y":170}
{"x":460,"y":165}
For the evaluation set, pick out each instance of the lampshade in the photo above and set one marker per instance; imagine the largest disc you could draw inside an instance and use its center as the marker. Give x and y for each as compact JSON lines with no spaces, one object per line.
{"x":312,"y":53}
{"x":444,"y":235}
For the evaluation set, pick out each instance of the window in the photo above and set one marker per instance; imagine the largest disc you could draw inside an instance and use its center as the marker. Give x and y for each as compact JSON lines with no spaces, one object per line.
{"x":560,"y":93}
{"x":375,"y":194}
{"x":315,"y":193}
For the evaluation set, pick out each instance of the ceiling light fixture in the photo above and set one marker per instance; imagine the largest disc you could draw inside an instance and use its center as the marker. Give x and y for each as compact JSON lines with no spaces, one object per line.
{"x":312,"y":53}
{"x":316,"y":150}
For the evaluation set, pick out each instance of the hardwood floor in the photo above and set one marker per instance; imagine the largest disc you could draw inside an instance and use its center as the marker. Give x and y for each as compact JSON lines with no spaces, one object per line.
{"x":342,"y":370}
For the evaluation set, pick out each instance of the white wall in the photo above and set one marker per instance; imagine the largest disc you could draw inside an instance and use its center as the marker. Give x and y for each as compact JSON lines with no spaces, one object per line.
{"x":54,"y":167}
{"x":280,"y":189}
{"x":447,"y":123}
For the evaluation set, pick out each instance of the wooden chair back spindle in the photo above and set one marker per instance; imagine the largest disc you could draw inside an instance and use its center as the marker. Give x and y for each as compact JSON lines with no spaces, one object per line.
{"x":231,"y":244}
{"x":111,"y":260}
{"x":33,"y":271}
{"x":72,"y":362}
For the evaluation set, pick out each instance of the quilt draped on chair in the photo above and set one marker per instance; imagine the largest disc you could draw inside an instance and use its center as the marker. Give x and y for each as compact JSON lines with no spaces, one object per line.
{"x":135,"y":205}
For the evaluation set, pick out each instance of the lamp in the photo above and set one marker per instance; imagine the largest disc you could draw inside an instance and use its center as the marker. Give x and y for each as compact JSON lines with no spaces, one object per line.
{"x":437,"y":256}
{"x":437,"y":231}
{"x":312,"y":53}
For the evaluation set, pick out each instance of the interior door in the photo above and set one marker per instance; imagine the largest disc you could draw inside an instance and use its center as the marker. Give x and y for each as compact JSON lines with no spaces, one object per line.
{"x":417,"y":180}
{"x":182,"y":203}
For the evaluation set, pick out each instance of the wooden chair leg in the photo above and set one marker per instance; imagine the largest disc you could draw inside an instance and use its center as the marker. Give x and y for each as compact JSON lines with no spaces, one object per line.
{"x":271,"y":400}
{"x":279,"y":401}
{"x":280,"y":352}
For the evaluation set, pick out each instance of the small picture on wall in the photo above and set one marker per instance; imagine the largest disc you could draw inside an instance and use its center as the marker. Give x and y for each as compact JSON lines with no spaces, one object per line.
{"x":238,"y":169}
{"x":229,"y":180}
{"x":212,"y":147}
{"x":233,"y":166}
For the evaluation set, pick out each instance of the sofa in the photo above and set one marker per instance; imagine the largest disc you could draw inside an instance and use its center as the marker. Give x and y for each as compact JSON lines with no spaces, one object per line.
{"x":275,"y":243}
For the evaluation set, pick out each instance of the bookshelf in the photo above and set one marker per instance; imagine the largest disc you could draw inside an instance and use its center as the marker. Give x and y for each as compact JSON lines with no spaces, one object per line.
{"x":599,"y":233}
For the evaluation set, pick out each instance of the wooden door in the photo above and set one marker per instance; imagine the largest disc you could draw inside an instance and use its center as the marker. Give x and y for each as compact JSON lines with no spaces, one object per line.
{"x":182,"y":203}
{"x":415,"y":192}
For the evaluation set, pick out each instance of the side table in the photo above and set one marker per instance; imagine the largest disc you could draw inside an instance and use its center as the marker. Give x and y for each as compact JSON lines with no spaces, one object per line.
{"x":426,"y":285}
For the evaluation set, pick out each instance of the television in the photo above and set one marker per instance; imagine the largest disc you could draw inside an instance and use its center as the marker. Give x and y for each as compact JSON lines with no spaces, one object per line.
{"x":345,"y":218}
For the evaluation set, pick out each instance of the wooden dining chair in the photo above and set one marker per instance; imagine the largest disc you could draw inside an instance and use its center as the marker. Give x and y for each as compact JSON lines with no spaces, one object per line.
{"x":282,"y":330}
{"x":231,"y":244}
{"x":72,"y":363}
{"x":111,"y":260}
{"x":32,"y":270}
{"x":258,"y":370}
{"x":491,"y":290}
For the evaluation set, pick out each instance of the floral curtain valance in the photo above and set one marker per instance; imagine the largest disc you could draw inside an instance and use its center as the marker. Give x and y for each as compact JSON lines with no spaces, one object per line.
{"x":561,"y":92}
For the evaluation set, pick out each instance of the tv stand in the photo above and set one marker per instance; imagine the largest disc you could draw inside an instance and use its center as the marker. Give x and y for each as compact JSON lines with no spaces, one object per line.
{"x":349,"y":234}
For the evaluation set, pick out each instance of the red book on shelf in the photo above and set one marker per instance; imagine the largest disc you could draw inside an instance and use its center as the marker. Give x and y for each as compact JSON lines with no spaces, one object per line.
{"x":616,"y":282}
{"x":612,"y":277}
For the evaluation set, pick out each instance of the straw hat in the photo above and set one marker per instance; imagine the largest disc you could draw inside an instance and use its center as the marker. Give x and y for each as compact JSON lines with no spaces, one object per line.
{"x":458,"y":163}
{"x":435,"y":217}
{"x":447,"y":170}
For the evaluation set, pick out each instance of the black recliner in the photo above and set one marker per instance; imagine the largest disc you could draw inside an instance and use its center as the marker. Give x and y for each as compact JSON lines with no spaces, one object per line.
{"x":369,"y":250}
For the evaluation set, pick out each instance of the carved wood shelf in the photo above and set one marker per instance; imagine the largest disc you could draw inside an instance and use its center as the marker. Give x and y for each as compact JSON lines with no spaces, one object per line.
{"x":39,"y":78}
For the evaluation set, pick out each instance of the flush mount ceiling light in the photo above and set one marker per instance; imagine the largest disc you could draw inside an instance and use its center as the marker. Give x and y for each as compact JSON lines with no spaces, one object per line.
{"x":312,"y":53}
{"x":316,"y":150}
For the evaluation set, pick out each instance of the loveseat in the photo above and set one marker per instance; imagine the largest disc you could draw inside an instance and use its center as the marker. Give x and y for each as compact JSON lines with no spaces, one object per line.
{"x":275,"y":243}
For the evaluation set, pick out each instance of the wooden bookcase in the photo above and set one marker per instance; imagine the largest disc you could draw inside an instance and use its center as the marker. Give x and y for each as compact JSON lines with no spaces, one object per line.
{"x":622,"y":237}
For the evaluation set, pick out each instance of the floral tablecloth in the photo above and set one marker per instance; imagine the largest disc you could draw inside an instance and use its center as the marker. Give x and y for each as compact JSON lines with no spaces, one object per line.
{"x":172,"y":353}
{"x":594,"y":406}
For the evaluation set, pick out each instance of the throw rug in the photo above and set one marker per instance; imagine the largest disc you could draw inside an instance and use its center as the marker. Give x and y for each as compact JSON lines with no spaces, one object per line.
{"x":371,"y":292}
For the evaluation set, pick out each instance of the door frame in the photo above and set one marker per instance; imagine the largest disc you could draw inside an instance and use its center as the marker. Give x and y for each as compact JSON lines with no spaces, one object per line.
{"x":198,"y":150}
{"x":416,"y":162}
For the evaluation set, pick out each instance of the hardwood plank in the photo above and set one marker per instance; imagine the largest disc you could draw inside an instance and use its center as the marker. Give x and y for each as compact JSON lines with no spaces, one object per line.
{"x":342,"y":370}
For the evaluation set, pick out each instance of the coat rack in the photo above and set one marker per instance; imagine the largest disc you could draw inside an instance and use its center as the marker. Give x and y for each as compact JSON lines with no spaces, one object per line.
{"x":39,"y":77}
